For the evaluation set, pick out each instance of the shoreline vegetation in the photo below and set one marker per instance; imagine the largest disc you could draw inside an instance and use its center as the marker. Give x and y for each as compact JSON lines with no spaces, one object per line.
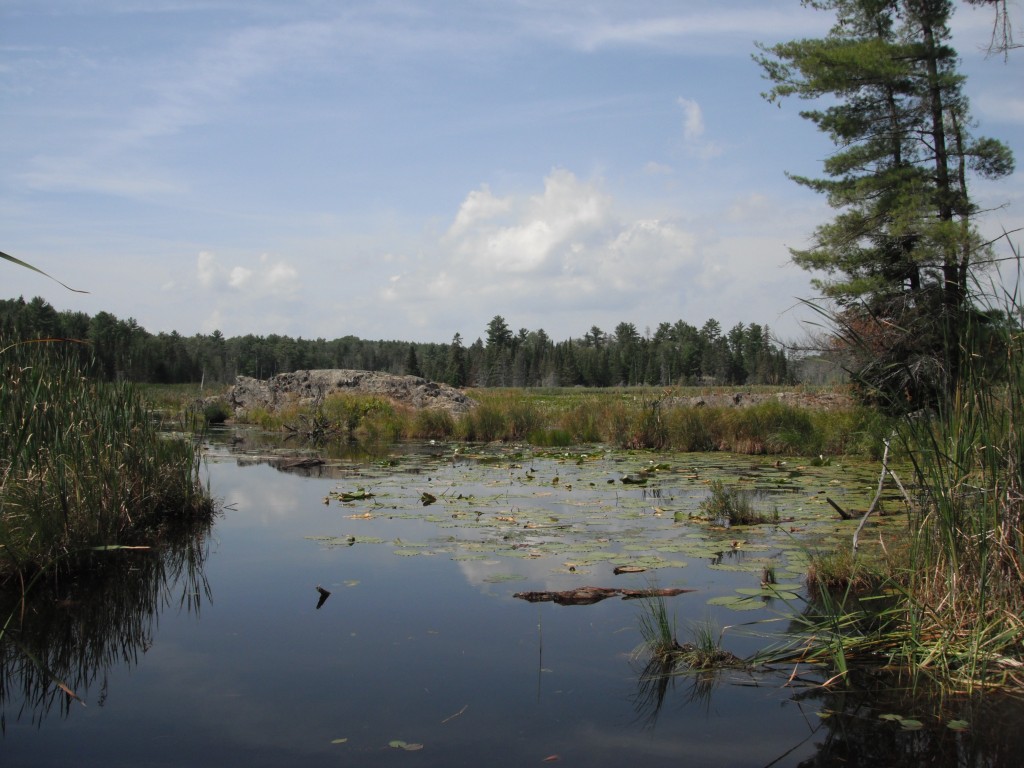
{"x":628,"y":418}
{"x":84,"y":467}
{"x":944,"y":601}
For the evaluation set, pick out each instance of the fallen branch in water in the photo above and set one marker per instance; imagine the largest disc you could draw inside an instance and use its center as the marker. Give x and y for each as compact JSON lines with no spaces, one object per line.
{"x":591,"y":595}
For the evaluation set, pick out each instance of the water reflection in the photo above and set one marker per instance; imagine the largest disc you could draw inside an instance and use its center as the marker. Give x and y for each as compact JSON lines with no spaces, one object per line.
{"x":64,"y":638}
{"x":874,"y":722}
{"x":421,"y":638}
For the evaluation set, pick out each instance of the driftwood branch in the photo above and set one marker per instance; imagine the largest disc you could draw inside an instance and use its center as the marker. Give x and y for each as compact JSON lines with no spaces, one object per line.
{"x":842,"y":512}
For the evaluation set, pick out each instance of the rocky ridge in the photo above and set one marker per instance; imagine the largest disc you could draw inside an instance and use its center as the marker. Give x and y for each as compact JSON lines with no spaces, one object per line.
{"x":309,"y":386}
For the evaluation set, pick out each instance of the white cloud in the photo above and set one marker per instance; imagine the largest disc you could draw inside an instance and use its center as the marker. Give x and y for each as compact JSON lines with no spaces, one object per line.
{"x":653,"y":168}
{"x":239,"y":277}
{"x":528,"y":235}
{"x":566,"y":248}
{"x":693,"y":119}
{"x":280,"y":278}
{"x":206,"y":269}
{"x":479,"y":205}
{"x":268,"y":278}
{"x":701,"y":30}
{"x":693,"y":130}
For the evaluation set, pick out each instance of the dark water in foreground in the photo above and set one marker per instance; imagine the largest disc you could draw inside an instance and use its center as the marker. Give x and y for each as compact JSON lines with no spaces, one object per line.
{"x":230,"y":662}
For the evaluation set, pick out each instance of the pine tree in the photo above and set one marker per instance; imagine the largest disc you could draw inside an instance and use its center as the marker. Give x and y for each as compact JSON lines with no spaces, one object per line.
{"x":899,"y":255}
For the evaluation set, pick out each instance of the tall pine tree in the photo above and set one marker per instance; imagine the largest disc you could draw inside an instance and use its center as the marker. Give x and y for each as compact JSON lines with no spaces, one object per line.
{"x":899,"y":255}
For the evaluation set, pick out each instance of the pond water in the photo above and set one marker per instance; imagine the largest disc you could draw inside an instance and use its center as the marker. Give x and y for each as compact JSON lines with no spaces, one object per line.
{"x":222,"y":650}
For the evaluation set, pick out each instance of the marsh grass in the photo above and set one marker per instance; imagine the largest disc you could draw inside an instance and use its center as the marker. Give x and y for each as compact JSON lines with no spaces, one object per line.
{"x":734,"y":506}
{"x":702,"y":650}
{"x":657,"y":630}
{"x":948,"y":603}
{"x":840,"y":571}
{"x":83,"y":465}
{"x":635,"y":419}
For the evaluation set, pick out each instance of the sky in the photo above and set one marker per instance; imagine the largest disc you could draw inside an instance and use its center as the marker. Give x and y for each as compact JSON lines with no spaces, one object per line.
{"x":402,"y":169}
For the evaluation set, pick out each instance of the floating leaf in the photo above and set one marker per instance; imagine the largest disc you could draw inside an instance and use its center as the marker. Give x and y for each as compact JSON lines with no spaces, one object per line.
{"x":359,"y":495}
{"x":399,"y":744}
{"x":911,"y":725}
{"x":628,"y":569}
{"x":338,"y":741}
{"x":958,"y":725}
{"x":737,"y":603}
{"x":498,"y":578}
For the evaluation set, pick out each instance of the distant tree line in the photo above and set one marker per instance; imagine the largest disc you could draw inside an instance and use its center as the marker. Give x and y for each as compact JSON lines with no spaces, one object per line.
{"x":677,"y":353}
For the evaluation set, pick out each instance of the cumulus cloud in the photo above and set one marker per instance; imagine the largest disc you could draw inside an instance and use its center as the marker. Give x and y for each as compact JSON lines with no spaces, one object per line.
{"x":528,"y":235}
{"x":479,"y":205}
{"x":565,"y":247}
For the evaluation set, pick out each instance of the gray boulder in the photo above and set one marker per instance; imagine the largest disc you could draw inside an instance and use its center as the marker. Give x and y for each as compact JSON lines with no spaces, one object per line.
{"x":309,"y":386}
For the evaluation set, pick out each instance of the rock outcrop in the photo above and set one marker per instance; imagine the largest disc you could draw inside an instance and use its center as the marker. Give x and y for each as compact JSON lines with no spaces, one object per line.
{"x":309,"y":386}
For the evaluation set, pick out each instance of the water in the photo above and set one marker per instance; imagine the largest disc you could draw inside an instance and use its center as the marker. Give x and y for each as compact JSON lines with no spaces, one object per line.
{"x":217,"y":654}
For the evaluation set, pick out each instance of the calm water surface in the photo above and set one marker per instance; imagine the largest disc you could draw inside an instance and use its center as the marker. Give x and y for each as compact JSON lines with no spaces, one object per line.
{"x":234,"y":664}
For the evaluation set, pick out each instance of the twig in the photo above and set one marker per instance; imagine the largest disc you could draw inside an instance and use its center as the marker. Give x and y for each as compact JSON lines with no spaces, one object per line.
{"x":878,"y":495}
{"x":452,"y":717}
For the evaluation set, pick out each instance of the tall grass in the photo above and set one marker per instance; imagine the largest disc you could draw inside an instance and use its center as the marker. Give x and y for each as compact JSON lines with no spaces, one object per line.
{"x":950,"y":599}
{"x":966,"y":570}
{"x":627,"y":418}
{"x":82,"y":464}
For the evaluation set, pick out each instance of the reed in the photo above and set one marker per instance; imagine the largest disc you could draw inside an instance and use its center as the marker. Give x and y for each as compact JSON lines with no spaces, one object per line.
{"x":628,"y":418}
{"x":83,"y":465}
{"x":948,"y":602}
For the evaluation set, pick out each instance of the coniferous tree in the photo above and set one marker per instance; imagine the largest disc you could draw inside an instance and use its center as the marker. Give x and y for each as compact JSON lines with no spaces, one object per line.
{"x":900,"y":253}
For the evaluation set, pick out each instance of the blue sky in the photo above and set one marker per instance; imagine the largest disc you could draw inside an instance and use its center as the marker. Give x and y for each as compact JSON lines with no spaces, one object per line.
{"x":406,"y":170}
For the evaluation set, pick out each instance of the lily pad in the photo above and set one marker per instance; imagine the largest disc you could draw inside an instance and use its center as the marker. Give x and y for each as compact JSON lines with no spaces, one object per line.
{"x":499,"y":578}
{"x":737,"y":603}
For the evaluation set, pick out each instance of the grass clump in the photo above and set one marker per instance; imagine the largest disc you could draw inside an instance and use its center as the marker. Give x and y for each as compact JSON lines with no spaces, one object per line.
{"x":703,"y":650}
{"x":734,"y":506}
{"x":840,"y":571}
{"x":82,"y":464}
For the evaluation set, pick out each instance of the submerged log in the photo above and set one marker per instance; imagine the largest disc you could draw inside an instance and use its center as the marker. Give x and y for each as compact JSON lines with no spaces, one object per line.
{"x":591,"y":595}
{"x":300,"y":463}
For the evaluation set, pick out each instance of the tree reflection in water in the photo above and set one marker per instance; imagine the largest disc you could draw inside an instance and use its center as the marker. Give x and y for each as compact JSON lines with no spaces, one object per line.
{"x":981,"y":731}
{"x":72,"y":631}
{"x":846,"y":726}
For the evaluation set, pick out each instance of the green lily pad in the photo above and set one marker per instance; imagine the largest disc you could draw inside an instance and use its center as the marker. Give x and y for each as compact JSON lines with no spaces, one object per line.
{"x":737,"y":603}
{"x":499,"y":578}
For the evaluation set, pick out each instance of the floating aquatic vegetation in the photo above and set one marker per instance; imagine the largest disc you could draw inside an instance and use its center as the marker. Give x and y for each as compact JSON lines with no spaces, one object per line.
{"x":503,"y":504}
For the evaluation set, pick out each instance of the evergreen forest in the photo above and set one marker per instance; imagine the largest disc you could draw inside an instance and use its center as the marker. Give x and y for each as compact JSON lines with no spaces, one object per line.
{"x":673,"y":354}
